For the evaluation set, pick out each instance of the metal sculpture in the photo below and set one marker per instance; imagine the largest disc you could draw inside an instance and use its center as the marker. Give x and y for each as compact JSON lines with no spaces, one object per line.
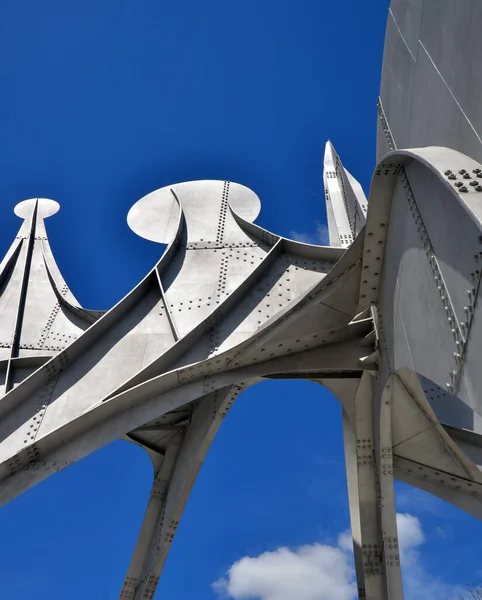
{"x":386,"y":317}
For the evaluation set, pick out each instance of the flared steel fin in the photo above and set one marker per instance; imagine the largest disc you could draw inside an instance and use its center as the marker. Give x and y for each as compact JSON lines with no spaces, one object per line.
{"x":346,"y":204}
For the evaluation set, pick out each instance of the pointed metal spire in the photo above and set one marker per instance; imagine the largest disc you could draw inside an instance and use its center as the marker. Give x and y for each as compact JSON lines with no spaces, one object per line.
{"x":346,"y":204}
{"x":36,"y":307}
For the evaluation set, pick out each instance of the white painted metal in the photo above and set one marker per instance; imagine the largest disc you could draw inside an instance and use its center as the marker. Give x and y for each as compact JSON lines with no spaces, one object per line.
{"x":387,"y":318}
{"x":163,"y":366}
{"x":346,"y":205}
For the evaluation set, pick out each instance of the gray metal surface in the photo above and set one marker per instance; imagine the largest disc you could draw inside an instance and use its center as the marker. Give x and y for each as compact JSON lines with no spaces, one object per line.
{"x":431,"y":84}
{"x":346,"y":204}
{"x":387,"y":318}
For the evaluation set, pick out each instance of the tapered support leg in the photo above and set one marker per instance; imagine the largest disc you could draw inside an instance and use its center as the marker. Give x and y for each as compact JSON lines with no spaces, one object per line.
{"x":172,"y":486}
{"x":368,"y":492}
{"x":368,"y":455}
{"x":138,"y":575}
{"x":390,"y":551}
{"x":354,"y":501}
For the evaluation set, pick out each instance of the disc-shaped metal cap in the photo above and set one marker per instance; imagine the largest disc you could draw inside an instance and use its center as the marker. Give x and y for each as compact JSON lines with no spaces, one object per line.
{"x":46,"y":208}
{"x":155,"y":217}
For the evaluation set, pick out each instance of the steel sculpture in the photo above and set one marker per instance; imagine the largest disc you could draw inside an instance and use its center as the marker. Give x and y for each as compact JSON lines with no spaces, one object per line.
{"x":386,"y":317}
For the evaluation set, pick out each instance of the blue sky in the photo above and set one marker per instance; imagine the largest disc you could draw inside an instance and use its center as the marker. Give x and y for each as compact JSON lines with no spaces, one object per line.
{"x":103,"y":102}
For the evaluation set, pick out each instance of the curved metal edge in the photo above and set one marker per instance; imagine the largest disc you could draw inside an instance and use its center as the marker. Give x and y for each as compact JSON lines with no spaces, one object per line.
{"x":171,"y":248}
{"x":410,"y":382}
{"x":301,"y":249}
{"x":435,"y":158}
{"x":10,"y":259}
{"x":87,"y":314}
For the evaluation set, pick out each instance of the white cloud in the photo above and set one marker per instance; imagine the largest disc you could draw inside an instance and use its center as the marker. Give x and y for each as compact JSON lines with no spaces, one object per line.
{"x":441,"y":532}
{"x":324,"y":572}
{"x":418,"y":582}
{"x":316,"y":572}
{"x":320,"y":236}
{"x":322,"y":233}
{"x":410,"y":536}
{"x":306,"y":238}
{"x":345,"y":541}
